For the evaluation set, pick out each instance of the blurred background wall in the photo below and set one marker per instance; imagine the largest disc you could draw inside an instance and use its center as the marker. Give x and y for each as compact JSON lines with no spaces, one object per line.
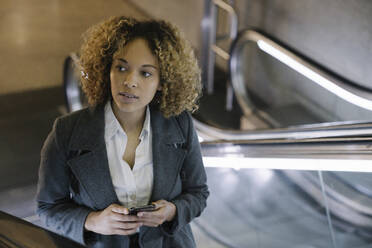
{"x":36,"y":36}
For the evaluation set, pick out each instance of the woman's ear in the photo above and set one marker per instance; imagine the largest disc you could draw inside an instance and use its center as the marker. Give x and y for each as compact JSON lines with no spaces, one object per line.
{"x":160,"y":87}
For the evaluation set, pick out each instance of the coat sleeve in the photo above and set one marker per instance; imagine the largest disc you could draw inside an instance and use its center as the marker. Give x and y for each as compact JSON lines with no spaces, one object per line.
{"x":55,"y":207}
{"x":193,"y":199}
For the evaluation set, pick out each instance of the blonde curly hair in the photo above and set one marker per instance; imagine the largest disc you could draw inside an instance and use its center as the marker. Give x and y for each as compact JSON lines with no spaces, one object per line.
{"x":179,"y":70}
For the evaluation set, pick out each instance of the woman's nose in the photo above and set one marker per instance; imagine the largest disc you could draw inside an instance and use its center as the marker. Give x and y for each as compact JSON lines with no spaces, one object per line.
{"x":131,"y":80}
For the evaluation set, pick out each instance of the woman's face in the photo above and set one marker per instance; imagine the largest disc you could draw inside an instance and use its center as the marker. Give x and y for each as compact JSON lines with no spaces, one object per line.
{"x":134,"y":77}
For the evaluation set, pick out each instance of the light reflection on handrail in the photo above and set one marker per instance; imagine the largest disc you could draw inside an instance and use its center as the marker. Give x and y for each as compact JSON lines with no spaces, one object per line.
{"x":357,"y":129}
{"x":345,"y":165}
{"x":330,"y":149}
{"x":328,"y":154}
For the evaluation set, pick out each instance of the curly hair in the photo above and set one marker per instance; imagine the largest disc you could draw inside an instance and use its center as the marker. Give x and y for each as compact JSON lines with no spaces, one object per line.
{"x":179,"y":70}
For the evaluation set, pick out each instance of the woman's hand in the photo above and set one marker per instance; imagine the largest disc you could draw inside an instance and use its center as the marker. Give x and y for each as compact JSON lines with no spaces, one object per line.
{"x":165,"y":211}
{"x":112,"y":220}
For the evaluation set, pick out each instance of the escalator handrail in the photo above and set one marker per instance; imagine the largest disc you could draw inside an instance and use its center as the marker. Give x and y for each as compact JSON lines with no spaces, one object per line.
{"x":355,"y":187}
{"x":340,"y":130}
{"x":351,"y":92}
{"x":71,"y":83}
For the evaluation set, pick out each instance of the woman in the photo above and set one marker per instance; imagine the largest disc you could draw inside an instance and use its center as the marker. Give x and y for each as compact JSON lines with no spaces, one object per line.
{"x":133,"y":146}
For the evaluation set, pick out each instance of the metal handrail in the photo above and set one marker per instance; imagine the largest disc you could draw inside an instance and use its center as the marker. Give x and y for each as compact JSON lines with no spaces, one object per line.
{"x":233,"y":17}
{"x":75,"y":98}
{"x":338,"y":130}
{"x":210,"y":49}
{"x":233,"y":27}
{"x":325,"y":79}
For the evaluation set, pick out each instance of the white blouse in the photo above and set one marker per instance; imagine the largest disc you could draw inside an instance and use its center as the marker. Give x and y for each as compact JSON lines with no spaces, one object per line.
{"x":133,"y":187}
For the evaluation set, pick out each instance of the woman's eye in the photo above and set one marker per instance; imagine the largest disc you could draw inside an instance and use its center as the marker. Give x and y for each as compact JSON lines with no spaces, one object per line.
{"x":121,"y":68}
{"x":146,"y":74}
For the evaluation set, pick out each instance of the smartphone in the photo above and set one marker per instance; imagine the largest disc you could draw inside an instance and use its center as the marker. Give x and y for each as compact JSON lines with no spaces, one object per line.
{"x":146,"y":208}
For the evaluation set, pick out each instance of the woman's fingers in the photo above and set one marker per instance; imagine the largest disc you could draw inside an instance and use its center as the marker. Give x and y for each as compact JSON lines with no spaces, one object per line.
{"x":127,"y":225}
{"x":165,"y":211}
{"x":119,"y":209}
{"x":123,"y":217}
{"x":150,"y":223}
{"x":152,"y":219}
{"x":116,"y":220}
{"x":151,"y":215}
{"x":160,"y":203}
{"x":112,"y":220}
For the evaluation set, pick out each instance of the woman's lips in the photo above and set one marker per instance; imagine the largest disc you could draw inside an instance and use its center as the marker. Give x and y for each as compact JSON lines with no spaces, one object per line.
{"x":127,"y":97}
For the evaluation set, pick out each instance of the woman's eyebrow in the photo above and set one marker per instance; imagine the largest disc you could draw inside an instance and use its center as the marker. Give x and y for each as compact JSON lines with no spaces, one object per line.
{"x":122,"y":60}
{"x":146,"y":65}
{"x":153,"y":66}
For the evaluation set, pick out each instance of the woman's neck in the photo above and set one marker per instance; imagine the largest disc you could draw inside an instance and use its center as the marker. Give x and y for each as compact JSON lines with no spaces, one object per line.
{"x":129,"y":121}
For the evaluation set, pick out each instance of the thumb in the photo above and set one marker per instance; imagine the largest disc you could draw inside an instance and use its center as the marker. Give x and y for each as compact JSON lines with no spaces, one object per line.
{"x":159,"y":203}
{"x":119,"y":209}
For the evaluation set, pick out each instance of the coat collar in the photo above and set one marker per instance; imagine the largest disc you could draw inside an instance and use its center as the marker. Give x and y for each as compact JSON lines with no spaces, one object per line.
{"x":89,"y":131}
{"x":112,"y":124}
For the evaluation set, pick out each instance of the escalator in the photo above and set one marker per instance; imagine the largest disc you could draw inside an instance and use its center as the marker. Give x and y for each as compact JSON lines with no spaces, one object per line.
{"x":302,"y":192}
{"x":305,"y":179}
{"x":276,"y":85}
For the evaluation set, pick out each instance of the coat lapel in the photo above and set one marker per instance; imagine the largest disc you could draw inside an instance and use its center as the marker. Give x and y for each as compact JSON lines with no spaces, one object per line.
{"x":90,"y":165}
{"x":168,"y":154}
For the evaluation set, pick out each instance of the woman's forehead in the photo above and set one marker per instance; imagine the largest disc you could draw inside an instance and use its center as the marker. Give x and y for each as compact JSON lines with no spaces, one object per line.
{"x":136,"y":50}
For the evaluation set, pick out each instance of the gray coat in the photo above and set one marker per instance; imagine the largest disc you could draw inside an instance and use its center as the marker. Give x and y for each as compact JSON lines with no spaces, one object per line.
{"x":74,"y":178}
